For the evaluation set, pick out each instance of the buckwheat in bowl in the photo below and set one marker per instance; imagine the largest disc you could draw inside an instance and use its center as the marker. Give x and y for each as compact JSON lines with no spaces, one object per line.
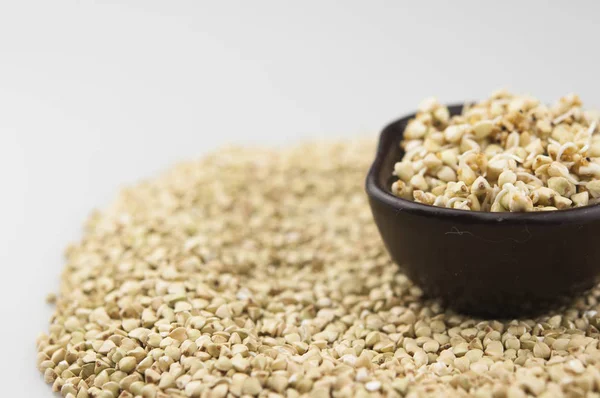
{"x":491,"y":206}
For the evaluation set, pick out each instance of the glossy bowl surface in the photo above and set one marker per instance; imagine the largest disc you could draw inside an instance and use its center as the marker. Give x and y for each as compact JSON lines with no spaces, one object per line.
{"x":487,"y":264}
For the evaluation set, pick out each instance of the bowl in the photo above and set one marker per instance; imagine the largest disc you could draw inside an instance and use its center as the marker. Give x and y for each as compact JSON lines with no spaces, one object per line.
{"x":482,"y":263}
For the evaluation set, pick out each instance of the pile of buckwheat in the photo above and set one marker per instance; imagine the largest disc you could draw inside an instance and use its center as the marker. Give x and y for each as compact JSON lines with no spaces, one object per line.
{"x":507,"y":153}
{"x":261,"y":273}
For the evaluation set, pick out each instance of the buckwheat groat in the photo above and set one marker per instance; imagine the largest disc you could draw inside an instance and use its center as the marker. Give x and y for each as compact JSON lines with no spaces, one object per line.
{"x":507,"y":153}
{"x":260,"y":273}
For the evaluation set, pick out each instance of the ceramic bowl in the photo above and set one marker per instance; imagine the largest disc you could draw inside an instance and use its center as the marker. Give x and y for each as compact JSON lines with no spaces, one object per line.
{"x":483,"y":263}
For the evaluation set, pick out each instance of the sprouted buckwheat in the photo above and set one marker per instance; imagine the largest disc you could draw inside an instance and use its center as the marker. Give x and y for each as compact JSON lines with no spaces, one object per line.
{"x":507,"y":153}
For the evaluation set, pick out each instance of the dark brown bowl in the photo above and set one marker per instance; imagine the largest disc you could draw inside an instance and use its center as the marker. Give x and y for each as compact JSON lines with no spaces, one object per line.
{"x":488,"y":264}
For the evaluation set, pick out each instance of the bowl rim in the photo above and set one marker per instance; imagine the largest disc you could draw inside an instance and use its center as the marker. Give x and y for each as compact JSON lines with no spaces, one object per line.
{"x":383,"y":195}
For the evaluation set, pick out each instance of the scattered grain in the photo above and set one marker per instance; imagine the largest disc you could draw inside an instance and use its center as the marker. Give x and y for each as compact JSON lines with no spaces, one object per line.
{"x":260,"y":273}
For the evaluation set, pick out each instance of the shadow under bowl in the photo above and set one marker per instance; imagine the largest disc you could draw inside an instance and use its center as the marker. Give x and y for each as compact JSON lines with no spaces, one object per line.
{"x":483,"y":263}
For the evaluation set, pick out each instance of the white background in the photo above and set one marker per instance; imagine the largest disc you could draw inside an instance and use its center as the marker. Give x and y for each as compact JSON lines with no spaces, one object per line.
{"x":94,"y":95}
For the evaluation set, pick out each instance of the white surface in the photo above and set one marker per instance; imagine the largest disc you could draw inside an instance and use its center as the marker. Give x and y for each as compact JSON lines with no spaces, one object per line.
{"x":97,"y":95}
